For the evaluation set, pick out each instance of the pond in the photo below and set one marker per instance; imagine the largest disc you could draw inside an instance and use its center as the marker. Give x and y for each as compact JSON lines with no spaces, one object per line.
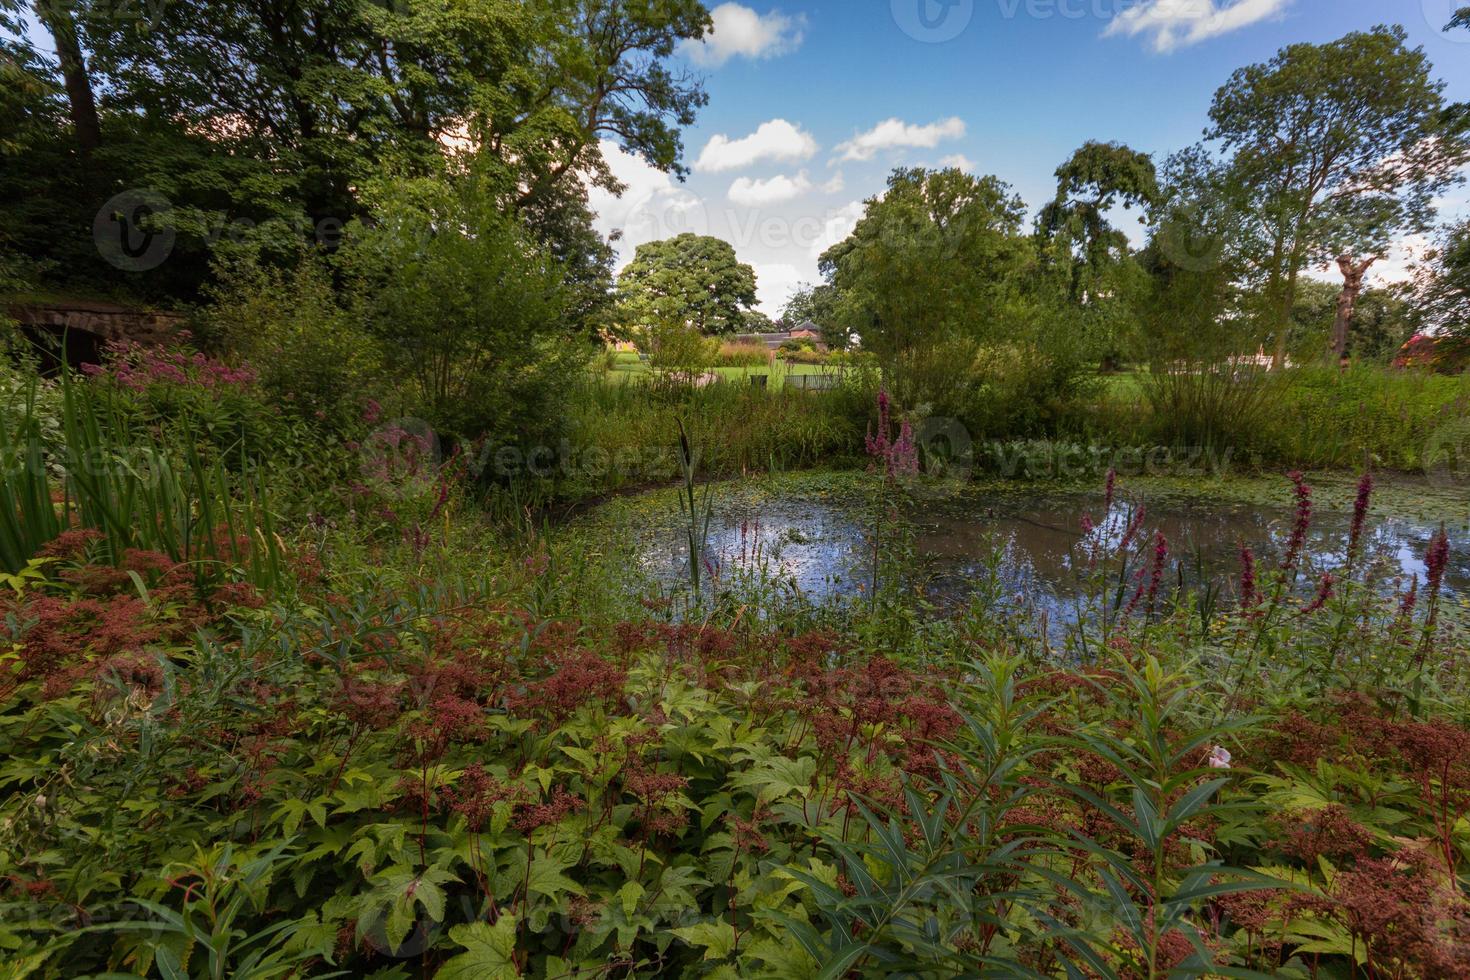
{"x":1021,"y":546}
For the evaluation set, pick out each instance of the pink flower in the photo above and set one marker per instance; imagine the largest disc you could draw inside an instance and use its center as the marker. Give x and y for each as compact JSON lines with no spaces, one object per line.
{"x":1303,"y":494}
{"x":1219,"y":757}
{"x":1360,"y":513}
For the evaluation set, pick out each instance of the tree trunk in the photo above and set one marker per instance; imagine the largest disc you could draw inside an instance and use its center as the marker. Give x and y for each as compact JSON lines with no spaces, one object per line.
{"x":1288,"y":299}
{"x":58,"y":18}
{"x":1347,"y":300}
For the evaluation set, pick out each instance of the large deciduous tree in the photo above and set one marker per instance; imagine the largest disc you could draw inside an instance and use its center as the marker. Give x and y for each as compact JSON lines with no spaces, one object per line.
{"x":691,"y":280}
{"x":925,"y":275}
{"x":336,"y":91}
{"x":1337,"y":148}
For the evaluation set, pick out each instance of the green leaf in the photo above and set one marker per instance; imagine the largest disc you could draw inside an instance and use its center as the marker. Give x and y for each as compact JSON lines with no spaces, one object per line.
{"x":629,"y":894}
{"x":717,"y":939}
{"x":489,"y":952}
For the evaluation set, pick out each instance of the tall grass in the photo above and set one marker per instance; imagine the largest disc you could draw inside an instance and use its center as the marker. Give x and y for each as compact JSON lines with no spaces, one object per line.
{"x":134,"y":488}
{"x":1209,"y":406}
{"x":743,"y":355}
{"x":620,"y":436}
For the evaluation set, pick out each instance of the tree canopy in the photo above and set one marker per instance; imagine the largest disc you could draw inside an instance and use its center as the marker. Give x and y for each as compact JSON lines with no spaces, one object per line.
{"x":1333,"y":149}
{"x":926,"y":272}
{"x":692,"y":280}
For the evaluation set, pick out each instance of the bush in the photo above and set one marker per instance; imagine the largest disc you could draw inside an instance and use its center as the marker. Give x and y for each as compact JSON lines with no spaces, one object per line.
{"x":312,"y":358}
{"x":680,"y":349}
{"x":805,"y":354}
{"x":743,"y":355}
{"x":469,"y":311}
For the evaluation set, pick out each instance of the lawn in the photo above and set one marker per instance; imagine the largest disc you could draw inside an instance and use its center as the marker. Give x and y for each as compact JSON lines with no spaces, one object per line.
{"x":627,"y":367}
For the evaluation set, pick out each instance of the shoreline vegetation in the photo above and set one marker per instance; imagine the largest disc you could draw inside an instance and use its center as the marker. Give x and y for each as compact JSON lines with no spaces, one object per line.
{"x":415,"y":736}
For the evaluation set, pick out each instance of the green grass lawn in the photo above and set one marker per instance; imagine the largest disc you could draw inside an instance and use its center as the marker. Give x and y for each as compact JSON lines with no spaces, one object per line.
{"x":628,"y":368}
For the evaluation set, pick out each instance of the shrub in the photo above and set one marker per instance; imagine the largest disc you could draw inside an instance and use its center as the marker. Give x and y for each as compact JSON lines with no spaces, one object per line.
{"x":472,"y":319}
{"x":312,"y":358}
{"x":743,"y":355}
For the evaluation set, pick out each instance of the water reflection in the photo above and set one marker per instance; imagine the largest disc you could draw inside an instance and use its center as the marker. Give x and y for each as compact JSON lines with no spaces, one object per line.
{"x":1025,"y":549}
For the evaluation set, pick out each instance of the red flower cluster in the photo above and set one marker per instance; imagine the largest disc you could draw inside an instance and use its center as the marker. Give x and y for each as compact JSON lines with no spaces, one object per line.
{"x":474,"y":795}
{"x":1329,"y":832}
{"x":580,"y":679}
{"x":528,"y":817}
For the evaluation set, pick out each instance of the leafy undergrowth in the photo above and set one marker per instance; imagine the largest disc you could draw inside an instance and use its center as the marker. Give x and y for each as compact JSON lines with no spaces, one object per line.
{"x":429,"y":778}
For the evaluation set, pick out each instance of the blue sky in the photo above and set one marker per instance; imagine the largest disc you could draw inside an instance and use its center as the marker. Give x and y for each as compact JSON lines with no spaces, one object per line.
{"x":1009,"y":87}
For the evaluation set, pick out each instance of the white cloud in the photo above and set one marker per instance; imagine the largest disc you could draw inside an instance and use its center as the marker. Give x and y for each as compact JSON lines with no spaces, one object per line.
{"x":738,"y":30}
{"x":773,"y":140}
{"x":774,"y":284}
{"x":837,"y":226}
{"x":895,"y":133}
{"x":959,"y":161}
{"x":1180,"y":23}
{"x":652,"y":207}
{"x":775,"y":190}
{"x":755,"y":193}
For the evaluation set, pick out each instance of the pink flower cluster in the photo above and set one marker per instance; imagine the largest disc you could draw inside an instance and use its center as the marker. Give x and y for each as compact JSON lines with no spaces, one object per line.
{"x":895,"y":457}
{"x":138,"y":367}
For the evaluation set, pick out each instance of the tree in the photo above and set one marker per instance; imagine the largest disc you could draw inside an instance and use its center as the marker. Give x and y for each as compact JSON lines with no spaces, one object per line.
{"x":1074,"y":225}
{"x":754,"y":321}
{"x":691,"y":279}
{"x":467,"y":309}
{"x":60,"y":20}
{"x":334,"y":92}
{"x":1440,"y":290}
{"x":1337,"y":148}
{"x":817,"y":303}
{"x":925,"y":277}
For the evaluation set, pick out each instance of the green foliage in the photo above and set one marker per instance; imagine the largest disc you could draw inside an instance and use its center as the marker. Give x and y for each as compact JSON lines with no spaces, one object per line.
{"x":679,"y":349}
{"x":1075,"y":225}
{"x":312,"y":357}
{"x":136,"y":490}
{"x":693,"y":281}
{"x":453,"y":778}
{"x":927,"y":276}
{"x":467,"y":311}
{"x":817,"y":303}
{"x":743,"y":355}
{"x":1338,"y":148}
